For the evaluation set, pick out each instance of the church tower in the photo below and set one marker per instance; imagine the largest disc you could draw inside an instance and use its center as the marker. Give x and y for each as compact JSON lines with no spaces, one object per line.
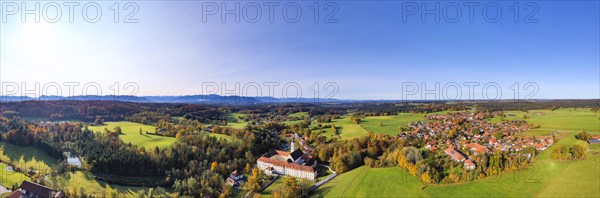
{"x":293,"y":146}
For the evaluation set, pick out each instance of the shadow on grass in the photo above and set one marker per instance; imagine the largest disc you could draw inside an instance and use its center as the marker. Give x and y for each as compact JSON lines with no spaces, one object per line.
{"x":17,"y":153}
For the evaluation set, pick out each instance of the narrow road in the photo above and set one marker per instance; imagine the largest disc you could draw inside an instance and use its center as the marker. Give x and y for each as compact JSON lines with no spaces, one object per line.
{"x":327,"y":179}
{"x":320,"y":183}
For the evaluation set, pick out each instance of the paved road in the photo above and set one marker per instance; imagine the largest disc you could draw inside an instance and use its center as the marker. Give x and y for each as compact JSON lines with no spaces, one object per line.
{"x":320,"y":183}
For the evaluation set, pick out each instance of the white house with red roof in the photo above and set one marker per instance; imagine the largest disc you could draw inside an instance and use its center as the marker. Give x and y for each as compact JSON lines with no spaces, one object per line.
{"x":295,"y":164}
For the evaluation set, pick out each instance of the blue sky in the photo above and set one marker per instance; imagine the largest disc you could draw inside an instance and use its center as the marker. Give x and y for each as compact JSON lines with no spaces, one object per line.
{"x":369,"y":53}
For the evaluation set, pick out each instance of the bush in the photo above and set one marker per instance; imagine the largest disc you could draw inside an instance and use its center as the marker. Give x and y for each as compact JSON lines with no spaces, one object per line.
{"x":585,"y":136}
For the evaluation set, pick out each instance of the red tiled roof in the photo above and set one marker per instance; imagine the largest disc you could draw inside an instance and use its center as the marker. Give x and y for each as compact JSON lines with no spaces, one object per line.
{"x":478,"y":148}
{"x":282,"y":153}
{"x":286,"y":164}
{"x":15,"y":194}
{"x":454,"y":154}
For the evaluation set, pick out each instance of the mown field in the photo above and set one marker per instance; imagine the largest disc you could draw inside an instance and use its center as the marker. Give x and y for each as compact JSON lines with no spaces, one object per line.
{"x":236,"y":120}
{"x":80,"y":181}
{"x":220,"y":136}
{"x":9,"y":178}
{"x":373,"y":182}
{"x":561,"y":119}
{"x":131,"y":134}
{"x":346,"y":129}
{"x":545,"y":178}
{"x":389,"y":125}
{"x":26,"y":157}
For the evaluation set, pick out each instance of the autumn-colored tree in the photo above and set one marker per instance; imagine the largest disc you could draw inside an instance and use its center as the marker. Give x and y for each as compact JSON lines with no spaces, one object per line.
{"x":402,"y":162}
{"x":577,"y":151}
{"x":413,"y":169}
{"x":426,"y":178}
{"x":213,"y":165}
{"x":248,"y":168}
{"x":585,"y":136}
{"x":253,"y":184}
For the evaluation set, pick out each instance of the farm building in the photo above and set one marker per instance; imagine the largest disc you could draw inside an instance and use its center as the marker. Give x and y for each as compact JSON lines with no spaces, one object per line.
{"x":457,"y":156}
{"x":235,"y":178}
{"x":30,"y":189}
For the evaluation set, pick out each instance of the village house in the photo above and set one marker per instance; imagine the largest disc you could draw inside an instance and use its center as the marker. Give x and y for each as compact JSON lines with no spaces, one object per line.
{"x":235,"y":178}
{"x":594,"y":140}
{"x":477,"y":148}
{"x":457,"y":156}
{"x":31,"y":189}
{"x":295,"y":164}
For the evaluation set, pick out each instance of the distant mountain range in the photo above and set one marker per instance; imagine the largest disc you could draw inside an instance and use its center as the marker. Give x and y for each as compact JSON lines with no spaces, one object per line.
{"x":218,"y":99}
{"x":174,"y":99}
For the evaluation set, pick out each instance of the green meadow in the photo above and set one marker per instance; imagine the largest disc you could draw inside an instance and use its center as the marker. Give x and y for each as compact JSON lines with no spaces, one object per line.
{"x":269,"y":190}
{"x":81,"y":181}
{"x":299,"y":115}
{"x":10,"y":177}
{"x":26,"y":157}
{"x":389,"y":125}
{"x":346,"y":129}
{"x":372,"y":182}
{"x":219,"y":136}
{"x":235,"y":120}
{"x":131,"y":134}
{"x":570,"y":119}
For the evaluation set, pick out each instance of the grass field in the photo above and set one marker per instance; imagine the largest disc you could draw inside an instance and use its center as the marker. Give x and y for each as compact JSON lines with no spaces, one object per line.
{"x":131,"y":134}
{"x":235,"y":120}
{"x":346,"y":128}
{"x":560,"y":119}
{"x":267,"y":192}
{"x":8,"y":178}
{"x":220,"y":136}
{"x":26,"y":157}
{"x":300,"y":115}
{"x":83,"y":181}
{"x":389,"y":124}
{"x":372,"y":182}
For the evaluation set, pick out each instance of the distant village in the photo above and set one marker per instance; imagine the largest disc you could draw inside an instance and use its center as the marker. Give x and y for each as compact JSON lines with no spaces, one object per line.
{"x":463,"y":133}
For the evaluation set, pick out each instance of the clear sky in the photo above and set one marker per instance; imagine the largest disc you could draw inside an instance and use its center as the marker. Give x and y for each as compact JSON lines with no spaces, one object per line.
{"x":369,"y":49}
